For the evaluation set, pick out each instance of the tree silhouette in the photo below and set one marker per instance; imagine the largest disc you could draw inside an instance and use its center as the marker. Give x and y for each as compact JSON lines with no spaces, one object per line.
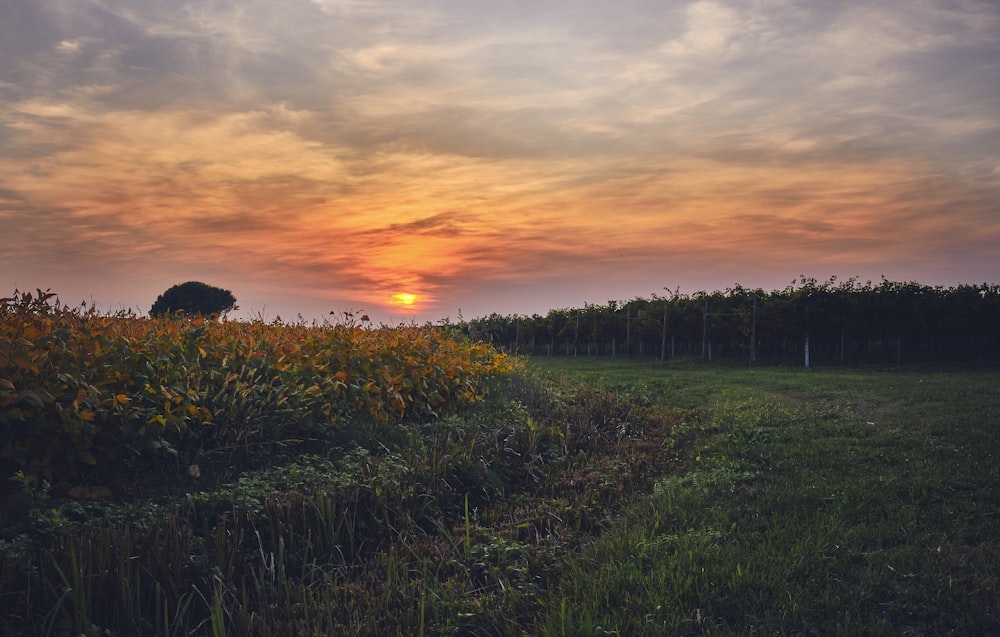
{"x":193,"y":297}
{"x":845,"y":321}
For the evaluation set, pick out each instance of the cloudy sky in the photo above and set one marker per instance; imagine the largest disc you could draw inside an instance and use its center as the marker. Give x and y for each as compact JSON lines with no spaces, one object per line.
{"x":493,"y":156}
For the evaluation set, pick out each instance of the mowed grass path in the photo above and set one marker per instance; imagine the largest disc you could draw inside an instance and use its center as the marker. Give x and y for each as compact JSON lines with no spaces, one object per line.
{"x":823,"y":501}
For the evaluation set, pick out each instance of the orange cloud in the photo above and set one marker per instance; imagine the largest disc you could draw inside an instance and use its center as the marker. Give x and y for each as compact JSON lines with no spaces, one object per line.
{"x":324,"y":153}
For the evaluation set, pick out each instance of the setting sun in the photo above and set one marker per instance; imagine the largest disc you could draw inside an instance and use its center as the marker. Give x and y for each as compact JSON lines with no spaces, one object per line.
{"x":404,"y":299}
{"x":319,"y":158}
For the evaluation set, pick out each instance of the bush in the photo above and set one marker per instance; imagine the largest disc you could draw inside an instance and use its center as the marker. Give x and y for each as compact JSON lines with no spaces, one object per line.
{"x":194,"y":297}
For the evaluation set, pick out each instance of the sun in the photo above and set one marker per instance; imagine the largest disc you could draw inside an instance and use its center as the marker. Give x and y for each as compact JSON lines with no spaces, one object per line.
{"x":404,"y":299}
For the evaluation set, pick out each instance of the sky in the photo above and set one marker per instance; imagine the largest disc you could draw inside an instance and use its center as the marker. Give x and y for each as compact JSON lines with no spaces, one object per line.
{"x":418,"y":161}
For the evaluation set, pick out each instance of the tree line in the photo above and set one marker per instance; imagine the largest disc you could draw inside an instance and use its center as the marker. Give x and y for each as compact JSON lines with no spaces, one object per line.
{"x":807,"y":323}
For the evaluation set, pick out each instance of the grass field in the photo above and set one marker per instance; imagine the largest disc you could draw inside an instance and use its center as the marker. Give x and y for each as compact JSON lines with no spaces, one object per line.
{"x":581,"y":497}
{"x":823,"y":502}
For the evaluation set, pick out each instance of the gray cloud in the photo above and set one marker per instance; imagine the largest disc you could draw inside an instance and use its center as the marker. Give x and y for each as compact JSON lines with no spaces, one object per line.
{"x":503,"y":140}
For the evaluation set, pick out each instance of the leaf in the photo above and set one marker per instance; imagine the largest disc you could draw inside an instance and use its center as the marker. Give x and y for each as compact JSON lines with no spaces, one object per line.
{"x":158,"y":419}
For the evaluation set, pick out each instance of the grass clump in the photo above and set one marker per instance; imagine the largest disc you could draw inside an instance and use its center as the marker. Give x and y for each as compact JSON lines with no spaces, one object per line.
{"x":451,"y":526}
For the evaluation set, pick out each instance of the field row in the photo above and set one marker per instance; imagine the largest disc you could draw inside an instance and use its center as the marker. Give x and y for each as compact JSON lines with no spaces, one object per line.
{"x":80,"y":390}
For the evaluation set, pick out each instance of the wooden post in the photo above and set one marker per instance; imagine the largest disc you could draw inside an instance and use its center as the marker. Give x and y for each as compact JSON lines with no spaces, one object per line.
{"x":807,"y":337}
{"x":638,"y":320}
{"x":576,"y":336}
{"x":753,"y":333}
{"x":663,"y":342}
{"x":704,"y":334}
{"x":628,"y":330}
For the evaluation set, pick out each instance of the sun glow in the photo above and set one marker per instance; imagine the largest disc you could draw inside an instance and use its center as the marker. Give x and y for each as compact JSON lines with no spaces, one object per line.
{"x":404,"y":299}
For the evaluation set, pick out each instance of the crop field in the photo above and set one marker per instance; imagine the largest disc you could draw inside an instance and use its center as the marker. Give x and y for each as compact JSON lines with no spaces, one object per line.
{"x":195,"y":477}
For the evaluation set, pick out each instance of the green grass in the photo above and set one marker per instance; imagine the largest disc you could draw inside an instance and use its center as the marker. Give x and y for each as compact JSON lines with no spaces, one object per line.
{"x":824,"y":502}
{"x":585,"y":497}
